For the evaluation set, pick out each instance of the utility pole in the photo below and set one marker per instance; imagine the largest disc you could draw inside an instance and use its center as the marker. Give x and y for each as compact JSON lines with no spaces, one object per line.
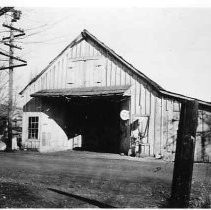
{"x":10,"y":103}
{"x":9,"y":41}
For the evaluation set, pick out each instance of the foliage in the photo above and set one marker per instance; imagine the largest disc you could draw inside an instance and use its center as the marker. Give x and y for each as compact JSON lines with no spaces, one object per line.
{"x":201,"y":197}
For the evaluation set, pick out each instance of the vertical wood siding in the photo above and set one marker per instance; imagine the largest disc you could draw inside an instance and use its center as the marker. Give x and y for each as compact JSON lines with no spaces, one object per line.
{"x":85,"y":65}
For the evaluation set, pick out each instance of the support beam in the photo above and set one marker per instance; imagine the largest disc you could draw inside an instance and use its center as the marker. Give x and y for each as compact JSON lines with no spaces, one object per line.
{"x":17,"y":35}
{"x":13,"y":46}
{"x":8,"y":67}
{"x":13,"y":28}
{"x":12,"y":57}
{"x":184,"y":157}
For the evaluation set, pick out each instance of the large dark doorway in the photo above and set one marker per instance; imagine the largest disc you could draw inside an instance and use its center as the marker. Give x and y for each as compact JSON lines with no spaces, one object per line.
{"x":97,"y":121}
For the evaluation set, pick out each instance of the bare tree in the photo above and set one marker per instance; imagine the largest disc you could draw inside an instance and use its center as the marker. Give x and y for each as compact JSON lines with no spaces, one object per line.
{"x":3,"y":87}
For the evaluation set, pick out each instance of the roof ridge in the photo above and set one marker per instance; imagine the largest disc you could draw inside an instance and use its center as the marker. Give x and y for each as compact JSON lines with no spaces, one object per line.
{"x":86,"y":32}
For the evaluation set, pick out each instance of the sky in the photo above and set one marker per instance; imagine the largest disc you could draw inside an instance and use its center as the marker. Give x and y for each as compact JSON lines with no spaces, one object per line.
{"x":171,"y":45}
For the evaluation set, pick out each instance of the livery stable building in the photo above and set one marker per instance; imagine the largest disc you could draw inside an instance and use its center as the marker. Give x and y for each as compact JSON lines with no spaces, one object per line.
{"x":90,"y":98}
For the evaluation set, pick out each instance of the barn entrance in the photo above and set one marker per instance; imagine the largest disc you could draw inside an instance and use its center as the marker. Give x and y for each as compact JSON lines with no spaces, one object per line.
{"x":91,"y":113}
{"x":97,"y":121}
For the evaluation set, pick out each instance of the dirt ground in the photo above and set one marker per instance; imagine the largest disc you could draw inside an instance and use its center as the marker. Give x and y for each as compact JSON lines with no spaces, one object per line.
{"x":76,"y":179}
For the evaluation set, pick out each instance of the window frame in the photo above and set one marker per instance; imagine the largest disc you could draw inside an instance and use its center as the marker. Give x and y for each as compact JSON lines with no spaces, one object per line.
{"x":33,"y":127}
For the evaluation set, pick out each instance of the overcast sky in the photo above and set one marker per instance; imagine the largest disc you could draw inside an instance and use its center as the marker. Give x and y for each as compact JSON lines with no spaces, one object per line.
{"x":172,"y":46}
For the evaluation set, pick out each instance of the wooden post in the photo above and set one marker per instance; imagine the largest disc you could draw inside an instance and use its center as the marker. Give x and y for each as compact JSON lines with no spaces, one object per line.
{"x":125,"y":129}
{"x":184,"y":157}
{"x":10,"y":104}
{"x":203,"y":139}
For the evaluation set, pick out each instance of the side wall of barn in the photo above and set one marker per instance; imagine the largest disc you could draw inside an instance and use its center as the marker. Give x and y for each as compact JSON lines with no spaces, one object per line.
{"x":51,"y":127}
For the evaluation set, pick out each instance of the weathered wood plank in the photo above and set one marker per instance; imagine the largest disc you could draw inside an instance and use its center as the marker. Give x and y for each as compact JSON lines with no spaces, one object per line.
{"x":137,"y":95}
{"x":133,"y":105}
{"x":147,"y":102}
{"x":128,"y":79}
{"x":161,"y":126}
{"x":112,"y":66}
{"x":123,"y":74}
{"x":106,"y":71}
{"x":151,"y":124}
{"x":143,"y":108}
{"x":157,"y":143}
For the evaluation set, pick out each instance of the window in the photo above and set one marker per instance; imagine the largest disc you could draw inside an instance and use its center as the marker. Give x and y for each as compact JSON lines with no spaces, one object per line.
{"x":33,"y":128}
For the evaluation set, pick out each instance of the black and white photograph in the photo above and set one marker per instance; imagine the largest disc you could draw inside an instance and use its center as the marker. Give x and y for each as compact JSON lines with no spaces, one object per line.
{"x":105,"y":104}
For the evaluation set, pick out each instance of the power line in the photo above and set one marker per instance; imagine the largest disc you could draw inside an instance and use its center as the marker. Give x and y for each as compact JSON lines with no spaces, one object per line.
{"x":48,"y":26}
{"x":41,"y":26}
{"x":43,"y":41}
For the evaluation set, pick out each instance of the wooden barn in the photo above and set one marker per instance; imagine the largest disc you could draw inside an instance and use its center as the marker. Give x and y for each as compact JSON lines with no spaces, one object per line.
{"x":90,"y":98}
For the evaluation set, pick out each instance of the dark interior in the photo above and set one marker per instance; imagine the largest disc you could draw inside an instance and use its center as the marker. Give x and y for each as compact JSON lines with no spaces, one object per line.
{"x":97,"y":120}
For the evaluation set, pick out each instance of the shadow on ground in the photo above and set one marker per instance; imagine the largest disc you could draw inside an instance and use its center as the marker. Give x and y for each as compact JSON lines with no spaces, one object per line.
{"x":14,"y":195}
{"x":90,"y":201}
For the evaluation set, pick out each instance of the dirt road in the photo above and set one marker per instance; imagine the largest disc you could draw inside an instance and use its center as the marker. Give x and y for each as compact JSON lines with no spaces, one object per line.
{"x":84,"y":179}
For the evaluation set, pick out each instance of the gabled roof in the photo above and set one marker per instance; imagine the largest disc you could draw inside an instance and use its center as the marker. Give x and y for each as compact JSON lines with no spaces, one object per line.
{"x":110,"y":52}
{"x":74,"y":42}
{"x":89,"y":37}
